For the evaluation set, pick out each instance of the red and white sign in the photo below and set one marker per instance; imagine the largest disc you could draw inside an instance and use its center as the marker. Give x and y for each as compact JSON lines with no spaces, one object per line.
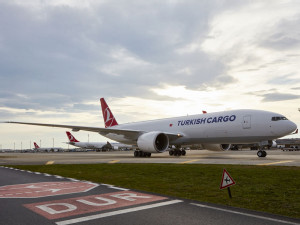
{"x":226,"y":180}
{"x":88,"y":204}
{"x":37,"y":190}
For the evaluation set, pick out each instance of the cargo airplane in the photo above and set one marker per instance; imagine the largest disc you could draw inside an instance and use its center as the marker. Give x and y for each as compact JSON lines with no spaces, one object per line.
{"x":214,"y":131}
{"x":48,"y":149}
{"x":89,"y":145}
{"x":95,"y":145}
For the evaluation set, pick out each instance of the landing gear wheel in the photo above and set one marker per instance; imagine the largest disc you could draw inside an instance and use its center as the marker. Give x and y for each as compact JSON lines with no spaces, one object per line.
{"x":261,"y":153}
{"x":171,"y":152}
{"x":183,"y":152}
{"x":136,"y":154}
{"x":264,"y":154}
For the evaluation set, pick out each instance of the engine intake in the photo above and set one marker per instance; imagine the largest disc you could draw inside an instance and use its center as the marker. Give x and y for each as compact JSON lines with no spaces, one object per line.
{"x":153,"y":142}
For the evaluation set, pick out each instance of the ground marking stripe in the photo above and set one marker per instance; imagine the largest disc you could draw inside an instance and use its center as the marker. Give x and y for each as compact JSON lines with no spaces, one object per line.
{"x":194,"y":160}
{"x":273,"y":163}
{"x":114,"y":161}
{"x":118,"y":212}
{"x":49,"y":162}
{"x":246,"y":214}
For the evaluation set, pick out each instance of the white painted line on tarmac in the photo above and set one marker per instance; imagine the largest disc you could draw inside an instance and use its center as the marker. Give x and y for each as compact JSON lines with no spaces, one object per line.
{"x":118,"y":212}
{"x":116,"y":188}
{"x":246,"y":214}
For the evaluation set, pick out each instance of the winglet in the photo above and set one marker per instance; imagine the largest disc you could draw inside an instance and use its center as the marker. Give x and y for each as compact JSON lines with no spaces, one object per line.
{"x":71,"y":137}
{"x":109,"y":119}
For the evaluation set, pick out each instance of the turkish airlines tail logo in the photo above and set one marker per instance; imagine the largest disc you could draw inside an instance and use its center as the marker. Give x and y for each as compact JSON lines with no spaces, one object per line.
{"x":35,"y":145}
{"x":109,"y":119}
{"x":71,"y":137}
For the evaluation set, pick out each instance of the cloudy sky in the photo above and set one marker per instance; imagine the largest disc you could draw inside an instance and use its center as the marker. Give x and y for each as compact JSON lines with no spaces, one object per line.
{"x":149,"y":59}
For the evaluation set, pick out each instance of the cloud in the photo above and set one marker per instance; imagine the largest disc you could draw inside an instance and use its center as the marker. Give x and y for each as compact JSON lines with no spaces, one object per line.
{"x":274,"y":97}
{"x":107,"y":49}
{"x":58,"y":57}
{"x":284,"y":35}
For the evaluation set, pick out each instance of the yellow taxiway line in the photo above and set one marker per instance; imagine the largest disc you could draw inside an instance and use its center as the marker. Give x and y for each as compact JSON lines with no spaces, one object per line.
{"x":194,"y":160}
{"x":114,"y":161}
{"x":274,"y":163}
{"x":49,"y":162}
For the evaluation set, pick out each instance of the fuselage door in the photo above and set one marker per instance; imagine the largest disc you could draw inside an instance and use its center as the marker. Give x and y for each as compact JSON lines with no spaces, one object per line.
{"x":247,"y":122}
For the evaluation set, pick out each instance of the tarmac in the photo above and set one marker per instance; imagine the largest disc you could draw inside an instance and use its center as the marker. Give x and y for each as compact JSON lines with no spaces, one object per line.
{"x":244,"y":157}
{"x":28,"y":197}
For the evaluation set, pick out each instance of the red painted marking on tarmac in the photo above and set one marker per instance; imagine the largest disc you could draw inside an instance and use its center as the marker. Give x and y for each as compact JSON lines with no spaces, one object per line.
{"x":43,"y":189}
{"x":87,"y":204}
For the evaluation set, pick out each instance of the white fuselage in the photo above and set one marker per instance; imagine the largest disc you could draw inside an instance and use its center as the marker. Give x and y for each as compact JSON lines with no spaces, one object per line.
{"x":235,"y":126}
{"x":89,"y":145}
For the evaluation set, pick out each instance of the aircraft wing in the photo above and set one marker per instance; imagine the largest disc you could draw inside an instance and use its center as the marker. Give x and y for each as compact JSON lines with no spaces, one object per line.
{"x":131,"y":135}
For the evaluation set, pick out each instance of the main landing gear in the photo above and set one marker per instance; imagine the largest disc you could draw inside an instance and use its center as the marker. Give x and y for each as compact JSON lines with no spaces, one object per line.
{"x":261,"y":153}
{"x":142,"y":154}
{"x":177,"y":152}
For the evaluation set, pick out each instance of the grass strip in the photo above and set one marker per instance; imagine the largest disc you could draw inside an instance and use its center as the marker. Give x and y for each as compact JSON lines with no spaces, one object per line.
{"x":273,"y":189}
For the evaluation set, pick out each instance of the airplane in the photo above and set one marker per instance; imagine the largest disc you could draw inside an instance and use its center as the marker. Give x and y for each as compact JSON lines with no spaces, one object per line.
{"x":90,"y":145}
{"x":214,"y":131}
{"x":50,"y":149}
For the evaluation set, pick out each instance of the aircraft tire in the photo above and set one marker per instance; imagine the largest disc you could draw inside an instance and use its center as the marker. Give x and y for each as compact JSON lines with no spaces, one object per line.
{"x":260,"y":153}
{"x":264,"y":154}
{"x":136,"y":154}
{"x":171,"y":152}
{"x":183,"y":152}
{"x":179,"y":153}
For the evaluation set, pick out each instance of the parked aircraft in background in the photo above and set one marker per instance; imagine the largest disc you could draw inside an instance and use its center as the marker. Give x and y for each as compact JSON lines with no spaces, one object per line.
{"x":103,"y":146}
{"x":49,"y":149}
{"x":96,"y":145}
{"x":214,"y":131}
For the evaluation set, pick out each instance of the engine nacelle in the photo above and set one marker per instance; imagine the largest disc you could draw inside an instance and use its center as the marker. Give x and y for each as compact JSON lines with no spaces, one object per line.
{"x":153,"y":142}
{"x":217,"y":147}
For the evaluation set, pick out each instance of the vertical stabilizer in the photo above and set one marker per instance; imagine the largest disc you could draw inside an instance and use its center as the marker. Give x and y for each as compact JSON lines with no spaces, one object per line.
{"x":35,"y":145}
{"x":109,"y":119}
{"x":71,"y":137}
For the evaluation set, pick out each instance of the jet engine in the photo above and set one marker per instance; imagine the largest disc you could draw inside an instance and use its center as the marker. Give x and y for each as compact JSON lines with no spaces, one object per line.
{"x":153,"y":142}
{"x":217,"y":147}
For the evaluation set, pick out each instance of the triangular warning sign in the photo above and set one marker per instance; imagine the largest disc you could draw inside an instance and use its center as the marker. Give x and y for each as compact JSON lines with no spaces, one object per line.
{"x":226,"y":180}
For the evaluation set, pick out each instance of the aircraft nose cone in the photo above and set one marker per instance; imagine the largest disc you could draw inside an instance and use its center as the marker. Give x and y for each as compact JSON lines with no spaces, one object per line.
{"x":293,"y":126}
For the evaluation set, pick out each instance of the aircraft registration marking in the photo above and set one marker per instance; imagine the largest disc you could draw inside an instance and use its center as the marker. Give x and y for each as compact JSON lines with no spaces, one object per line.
{"x":274,"y":163}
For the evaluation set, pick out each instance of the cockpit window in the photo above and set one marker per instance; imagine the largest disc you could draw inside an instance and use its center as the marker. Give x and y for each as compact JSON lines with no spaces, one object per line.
{"x":276,"y":118}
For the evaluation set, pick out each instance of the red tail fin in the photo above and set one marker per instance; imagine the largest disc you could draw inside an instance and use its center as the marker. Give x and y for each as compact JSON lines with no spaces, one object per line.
{"x":71,"y":137}
{"x":108,"y":117}
{"x":36,"y":146}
